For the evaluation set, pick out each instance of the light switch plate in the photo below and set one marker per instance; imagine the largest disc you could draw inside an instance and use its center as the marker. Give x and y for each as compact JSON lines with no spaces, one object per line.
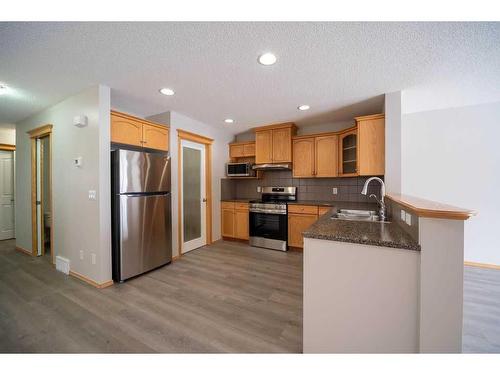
{"x":259,"y":189}
{"x":94,"y":258}
{"x":92,"y":195}
{"x":81,"y":254}
{"x":334,"y":191}
{"x":408,"y":219}
{"x":403,"y":215}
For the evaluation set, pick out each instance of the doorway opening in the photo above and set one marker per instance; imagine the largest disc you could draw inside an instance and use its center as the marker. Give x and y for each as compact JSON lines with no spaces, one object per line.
{"x":7,"y":191}
{"x":41,"y":192}
{"x":194,"y":191}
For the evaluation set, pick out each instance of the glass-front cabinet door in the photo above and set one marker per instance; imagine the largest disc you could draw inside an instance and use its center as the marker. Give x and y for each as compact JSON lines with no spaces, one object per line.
{"x":348,"y":143}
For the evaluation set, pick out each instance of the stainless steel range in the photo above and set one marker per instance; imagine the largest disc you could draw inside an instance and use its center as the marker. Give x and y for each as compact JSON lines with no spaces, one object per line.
{"x":268,"y":217}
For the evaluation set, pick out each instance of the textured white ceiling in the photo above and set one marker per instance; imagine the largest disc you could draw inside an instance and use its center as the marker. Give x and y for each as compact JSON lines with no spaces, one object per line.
{"x":339,"y":69}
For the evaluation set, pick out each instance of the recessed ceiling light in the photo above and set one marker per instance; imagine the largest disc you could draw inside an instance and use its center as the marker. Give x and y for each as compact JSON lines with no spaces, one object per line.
{"x":229,"y":121}
{"x":3,"y":89}
{"x":303,"y":107}
{"x":267,"y":59}
{"x":166,"y":91}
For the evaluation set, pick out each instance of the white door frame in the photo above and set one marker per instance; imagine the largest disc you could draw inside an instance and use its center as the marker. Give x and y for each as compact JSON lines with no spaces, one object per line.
{"x":202,"y":240}
{"x":7,"y":200}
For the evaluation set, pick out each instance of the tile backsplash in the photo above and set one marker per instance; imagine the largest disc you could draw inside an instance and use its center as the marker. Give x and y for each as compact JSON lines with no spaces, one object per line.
{"x":348,"y":188}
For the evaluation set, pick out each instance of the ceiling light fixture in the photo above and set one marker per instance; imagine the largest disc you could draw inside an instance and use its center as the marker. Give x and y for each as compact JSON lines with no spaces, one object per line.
{"x":303,"y":107}
{"x":267,"y":59}
{"x":166,"y":91}
{"x":229,"y":121}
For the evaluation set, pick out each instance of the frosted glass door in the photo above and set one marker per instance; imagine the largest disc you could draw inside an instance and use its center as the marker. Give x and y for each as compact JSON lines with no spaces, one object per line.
{"x":193,"y":195}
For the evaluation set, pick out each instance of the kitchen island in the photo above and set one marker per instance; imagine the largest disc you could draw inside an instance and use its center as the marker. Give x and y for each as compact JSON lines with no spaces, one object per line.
{"x":372,"y":287}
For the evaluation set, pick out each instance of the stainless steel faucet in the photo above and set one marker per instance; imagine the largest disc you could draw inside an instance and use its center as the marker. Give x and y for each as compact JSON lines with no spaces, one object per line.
{"x":382,"y":194}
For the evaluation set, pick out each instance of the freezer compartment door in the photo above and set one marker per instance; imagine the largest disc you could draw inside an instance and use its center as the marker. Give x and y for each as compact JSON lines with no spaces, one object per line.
{"x":143,"y":172}
{"x":145,"y":233}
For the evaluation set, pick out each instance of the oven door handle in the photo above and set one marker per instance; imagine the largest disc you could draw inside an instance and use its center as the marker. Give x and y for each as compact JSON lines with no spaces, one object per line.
{"x":258,"y":211}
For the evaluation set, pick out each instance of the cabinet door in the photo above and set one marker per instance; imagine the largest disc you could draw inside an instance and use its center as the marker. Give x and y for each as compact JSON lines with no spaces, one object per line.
{"x":249,"y":150}
{"x":127,"y":131}
{"x":227,"y":218}
{"x":348,"y":153}
{"x":264,"y":146}
{"x":326,"y":155}
{"x":303,"y":157}
{"x":282,"y":145}
{"x":371,"y":150}
{"x":236,"y":151}
{"x":155,"y":137}
{"x":241,"y":224}
{"x":296,"y":225}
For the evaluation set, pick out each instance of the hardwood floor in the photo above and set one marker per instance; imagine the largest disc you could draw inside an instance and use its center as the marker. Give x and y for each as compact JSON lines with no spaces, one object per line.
{"x":224,"y":298}
{"x":481,"y":332}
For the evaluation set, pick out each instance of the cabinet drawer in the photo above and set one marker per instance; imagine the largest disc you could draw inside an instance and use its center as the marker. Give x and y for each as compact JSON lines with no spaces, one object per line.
{"x":323,"y":210}
{"x":241,"y":206}
{"x":227,"y":205}
{"x":302,"y":209}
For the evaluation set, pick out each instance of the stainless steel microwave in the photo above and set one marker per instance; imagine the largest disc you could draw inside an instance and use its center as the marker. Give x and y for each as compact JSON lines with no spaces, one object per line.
{"x":239,"y":170}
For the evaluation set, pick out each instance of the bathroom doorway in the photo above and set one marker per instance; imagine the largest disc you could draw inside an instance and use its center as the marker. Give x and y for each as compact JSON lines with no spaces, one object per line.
{"x":41,"y":192}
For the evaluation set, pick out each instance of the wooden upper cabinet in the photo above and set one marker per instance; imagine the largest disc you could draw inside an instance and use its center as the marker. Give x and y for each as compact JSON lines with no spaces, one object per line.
{"x":126,"y":130}
{"x":348,"y":153}
{"x":264,"y":146}
{"x":155,"y":137}
{"x":326,"y":150}
{"x":303,"y":157}
{"x":273,"y":143}
{"x":315,"y":156}
{"x":134,"y":131}
{"x":236,"y":151}
{"x":371,"y":145}
{"x":241,"y":150}
{"x":282,"y":145}
{"x":249,"y":149}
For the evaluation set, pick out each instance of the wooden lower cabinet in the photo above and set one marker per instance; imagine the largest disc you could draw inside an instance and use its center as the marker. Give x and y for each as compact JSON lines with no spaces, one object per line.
{"x":241,"y":224}
{"x":234,"y":220}
{"x":227,"y":218}
{"x":297,"y":223}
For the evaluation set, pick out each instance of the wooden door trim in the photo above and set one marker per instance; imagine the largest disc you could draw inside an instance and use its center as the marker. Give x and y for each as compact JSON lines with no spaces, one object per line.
{"x":38,"y":133}
{"x":188,"y":136}
{"x":7,"y":147}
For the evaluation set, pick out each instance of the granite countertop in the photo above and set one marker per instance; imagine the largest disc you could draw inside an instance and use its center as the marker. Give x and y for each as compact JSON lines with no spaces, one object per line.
{"x":361,"y":232}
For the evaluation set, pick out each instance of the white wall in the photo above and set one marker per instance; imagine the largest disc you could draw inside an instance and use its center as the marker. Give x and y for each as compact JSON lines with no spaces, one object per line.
{"x":78,"y":223}
{"x":7,"y":134}
{"x":220,"y":155}
{"x":453,"y":156}
{"x":393,"y":142}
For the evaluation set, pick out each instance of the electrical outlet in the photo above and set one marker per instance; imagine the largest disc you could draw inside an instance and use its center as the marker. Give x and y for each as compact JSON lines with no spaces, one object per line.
{"x":334,"y":191}
{"x":259,"y":189}
{"x":81,"y":254}
{"x":408,"y":219}
{"x":94,"y":258}
{"x":403,"y":215}
{"x":92,"y":195}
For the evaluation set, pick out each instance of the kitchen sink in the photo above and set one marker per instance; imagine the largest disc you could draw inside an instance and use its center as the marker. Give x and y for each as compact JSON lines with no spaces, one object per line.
{"x":357,"y":215}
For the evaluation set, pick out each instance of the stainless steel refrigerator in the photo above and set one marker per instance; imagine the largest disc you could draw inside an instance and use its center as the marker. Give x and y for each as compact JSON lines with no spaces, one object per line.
{"x":141,"y":212}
